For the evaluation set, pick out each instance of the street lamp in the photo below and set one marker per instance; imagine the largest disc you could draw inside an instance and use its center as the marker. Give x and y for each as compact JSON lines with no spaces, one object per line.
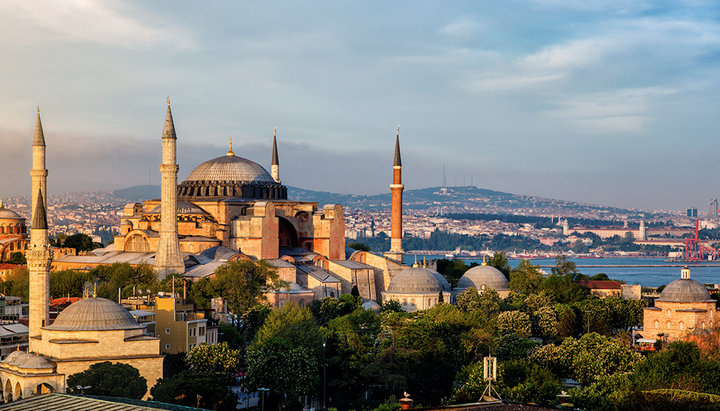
{"x":263,"y":391}
{"x":324,"y":374}
{"x":82,"y":389}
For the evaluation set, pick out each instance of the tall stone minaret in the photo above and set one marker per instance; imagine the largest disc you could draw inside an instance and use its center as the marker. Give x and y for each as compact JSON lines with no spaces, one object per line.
{"x":396,"y":188}
{"x":39,"y":172}
{"x":275,"y":166}
{"x":167,"y":258}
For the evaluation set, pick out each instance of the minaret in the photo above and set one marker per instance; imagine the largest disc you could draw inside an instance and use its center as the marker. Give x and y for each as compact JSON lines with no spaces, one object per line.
{"x":275,"y":166}
{"x":396,"y":188}
{"x":39,"y":172}
{"x":39,"y":259}
{"x":167,"y":257}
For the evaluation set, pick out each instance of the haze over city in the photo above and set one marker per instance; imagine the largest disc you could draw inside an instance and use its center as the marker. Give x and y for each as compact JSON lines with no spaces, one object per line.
{"x":610,"y":104}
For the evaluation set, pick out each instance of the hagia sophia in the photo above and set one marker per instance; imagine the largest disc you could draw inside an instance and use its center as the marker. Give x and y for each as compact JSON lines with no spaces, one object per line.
{"x":231,"y":208}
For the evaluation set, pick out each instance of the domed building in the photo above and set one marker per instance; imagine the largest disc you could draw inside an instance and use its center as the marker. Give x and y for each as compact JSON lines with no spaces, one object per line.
{"x":483,"y":277}
{"x":417,"y":288}
{"x":684,"y":307}
{"x":234,"y":202}
{"x":13,"y":232}
{"x":89,"y":331}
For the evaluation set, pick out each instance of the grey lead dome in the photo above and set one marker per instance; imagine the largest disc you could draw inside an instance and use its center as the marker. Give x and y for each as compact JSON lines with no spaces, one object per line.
{"x":94,"y":314}
{"x":685,"y":290}
{"x":481,"y":275}
{"x":230,"y":168}
{"x":415,"y":280}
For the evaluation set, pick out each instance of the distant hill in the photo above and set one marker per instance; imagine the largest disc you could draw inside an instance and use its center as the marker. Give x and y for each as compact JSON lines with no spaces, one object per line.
{"x":468,"y":199}
{"x":138,"y":193}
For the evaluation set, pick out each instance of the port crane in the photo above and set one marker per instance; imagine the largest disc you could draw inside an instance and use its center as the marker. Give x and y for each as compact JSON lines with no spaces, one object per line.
{"x":695,"y":251}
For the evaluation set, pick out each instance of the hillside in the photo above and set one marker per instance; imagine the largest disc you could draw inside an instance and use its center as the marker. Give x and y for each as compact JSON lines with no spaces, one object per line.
{"x":468,"y":199}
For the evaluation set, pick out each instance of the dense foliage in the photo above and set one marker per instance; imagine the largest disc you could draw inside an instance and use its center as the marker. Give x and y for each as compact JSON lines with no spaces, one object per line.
{"x":108,"y":379}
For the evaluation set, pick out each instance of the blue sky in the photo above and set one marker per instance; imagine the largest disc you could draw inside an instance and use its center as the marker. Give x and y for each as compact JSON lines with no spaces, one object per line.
{"x":612,"y":103}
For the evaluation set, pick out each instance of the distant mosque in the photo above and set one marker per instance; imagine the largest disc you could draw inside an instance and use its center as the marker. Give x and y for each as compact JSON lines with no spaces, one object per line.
{"x":89,"y":331}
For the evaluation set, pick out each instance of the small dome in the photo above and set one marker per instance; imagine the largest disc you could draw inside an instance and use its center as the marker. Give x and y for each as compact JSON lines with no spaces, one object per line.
{"x":415,"y":280}
{"x":183,"y":207}
{"x":371,"y":305}
{"x":8,"y":214}
{"x":481,"y":277}
{"x":37,"y":362}
{"x":684,"y":290}
{"x":16,"y":357}
{"x":443,"y":281}
{"x":91,"y":314}
{"x":230,"y":168}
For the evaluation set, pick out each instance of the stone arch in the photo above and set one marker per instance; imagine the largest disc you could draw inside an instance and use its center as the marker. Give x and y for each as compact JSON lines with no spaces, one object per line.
{"x":43,"y":388}
{"x":137,"y":242}
{"x":17,"y":393}
{"x":7,"y":389}
{"x":287,"y":234}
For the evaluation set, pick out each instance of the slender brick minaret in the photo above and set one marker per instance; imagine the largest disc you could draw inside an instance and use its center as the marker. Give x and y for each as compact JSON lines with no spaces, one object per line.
{"x":38,"y":253}
{"x":275,"y":166}
{"x":396,"y":189}
{"x":167,"y":258}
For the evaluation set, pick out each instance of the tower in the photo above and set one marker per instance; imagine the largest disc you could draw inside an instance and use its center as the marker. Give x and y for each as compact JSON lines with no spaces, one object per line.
{"x":38,"y":254}
{"x":275,"y":166}
{"x":39,"y":172}
{"x":396,"y":188}
{"x":642,"y":231}
{"x":167,"y":257}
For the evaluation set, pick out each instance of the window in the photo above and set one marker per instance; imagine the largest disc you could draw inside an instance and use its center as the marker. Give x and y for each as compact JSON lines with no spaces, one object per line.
{"x":192,"y":332}
{"x":167,"y":331}
{"x":201,"y":331}
{"x":167,"y":346}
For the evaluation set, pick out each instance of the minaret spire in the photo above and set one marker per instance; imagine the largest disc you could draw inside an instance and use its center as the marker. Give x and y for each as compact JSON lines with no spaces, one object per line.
{"x":167,"y":258}
{"x":38,"y":253}
{"x":396,"y":188}
{"x":275,"y":164}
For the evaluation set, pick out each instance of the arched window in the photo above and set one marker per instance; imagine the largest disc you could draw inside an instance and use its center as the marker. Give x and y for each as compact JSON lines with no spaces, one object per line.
{"x":668,"y":325}
{"x":668,"y":312}
{"x":657,"y":324}
{"x":682,"y":325}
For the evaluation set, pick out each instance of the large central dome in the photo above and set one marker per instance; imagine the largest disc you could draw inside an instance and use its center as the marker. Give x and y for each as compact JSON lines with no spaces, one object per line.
{"x":231,"y":176}
{"x":230,"y":168}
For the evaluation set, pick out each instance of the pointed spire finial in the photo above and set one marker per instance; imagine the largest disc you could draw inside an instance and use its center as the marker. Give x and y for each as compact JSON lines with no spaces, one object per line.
{"x":484,"y":260}
{"x":39,"y":221}
{"x":397,"y":161}
{"x":169,"y":129}
{"x":2,"y":203}
{"x":275,"y":160}
{"x":415,"y":264}
{"x":39,"y":138}
{"x":230,"y":152}
{"x":168,"y":100}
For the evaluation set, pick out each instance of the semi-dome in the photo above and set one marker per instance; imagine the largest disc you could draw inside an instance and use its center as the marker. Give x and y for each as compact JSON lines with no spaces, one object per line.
{"x":684,"y":290}
{"x":230,"y":168}
{"x":481,"y":277}
{"x":231,"y":176}
{"x":94,"y":314}
{"x":415,"y":280}
{"x":183,"y":207}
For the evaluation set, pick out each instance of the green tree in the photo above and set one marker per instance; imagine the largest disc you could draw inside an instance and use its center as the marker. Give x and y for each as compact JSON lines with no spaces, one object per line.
{"x":67,"y":283}
{"x":514,"y":322}
{"x":108,"y":379}
{"x":293,"y":324}
{"x":243,"y":283}
{"x":214,"y":359}
{"x":17,"y":258}
{"x":80,"y":242}
{"x":526,"y":278}
{"x":680,"y":366}
{"x":17,"y":283}
{"x":499,"y":260}
{"x":229,"y":334}
{"x":288,"y":369}
{"x":358,"y":246}
{"x":194,"y":388}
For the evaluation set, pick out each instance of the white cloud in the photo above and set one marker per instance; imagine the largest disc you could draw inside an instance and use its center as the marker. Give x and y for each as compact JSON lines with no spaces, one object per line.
{"x":85,"y":21}
{"x":463,"y":27}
